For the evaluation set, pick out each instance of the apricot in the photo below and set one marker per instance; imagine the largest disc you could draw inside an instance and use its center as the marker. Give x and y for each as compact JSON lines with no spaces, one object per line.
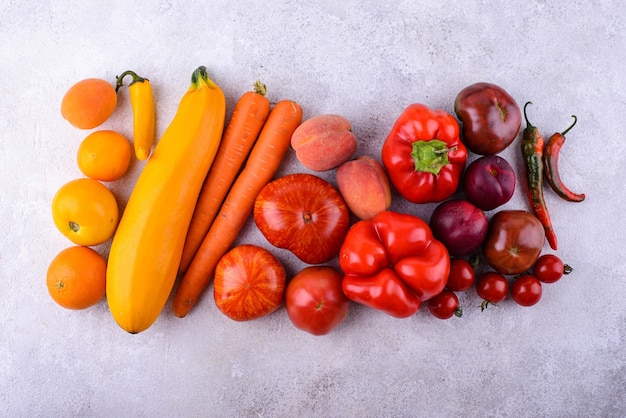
{"x":364,"y":185}
{"x":324,"y":142}
{"x":88,"y":103}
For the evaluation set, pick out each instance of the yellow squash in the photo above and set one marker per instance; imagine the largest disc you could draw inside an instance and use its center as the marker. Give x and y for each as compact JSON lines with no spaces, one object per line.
{"x":147,"y":246}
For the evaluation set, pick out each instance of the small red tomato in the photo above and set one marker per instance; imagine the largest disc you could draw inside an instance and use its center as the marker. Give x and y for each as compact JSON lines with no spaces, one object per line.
{"x":526,"y":290}
{"x":549,"y":268}
{"x":249,"y":283}
{"x":462,"y":275}
{"x":445,"y":305}
{"x":315,"y":301}
{"x":492,"y":287}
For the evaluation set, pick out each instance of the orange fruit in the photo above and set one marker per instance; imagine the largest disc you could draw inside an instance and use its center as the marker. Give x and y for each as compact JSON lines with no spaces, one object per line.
{"x":88,"y":103}
{"x":76,"y":277}
{"x":104,"y":155}
{"x":85,"y":211}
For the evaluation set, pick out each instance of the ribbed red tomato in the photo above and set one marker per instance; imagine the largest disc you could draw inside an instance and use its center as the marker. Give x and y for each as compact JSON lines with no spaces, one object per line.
{"x":249,"y":283}
{"x":303,"y":214}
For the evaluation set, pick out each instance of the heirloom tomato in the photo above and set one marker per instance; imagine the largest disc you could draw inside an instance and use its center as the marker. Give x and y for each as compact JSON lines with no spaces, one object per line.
{"x":249,"y":283}
{"x":491,"y":117}
{"x":303,"y":214}
{"x":514,"y":241}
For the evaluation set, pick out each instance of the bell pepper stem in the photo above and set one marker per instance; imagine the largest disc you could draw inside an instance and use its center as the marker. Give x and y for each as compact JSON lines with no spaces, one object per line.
{"x":430,"y":156}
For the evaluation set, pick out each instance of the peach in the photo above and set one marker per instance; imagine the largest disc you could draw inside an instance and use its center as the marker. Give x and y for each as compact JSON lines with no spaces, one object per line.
{"x":324,"y":142}
{"x":364,"y":185}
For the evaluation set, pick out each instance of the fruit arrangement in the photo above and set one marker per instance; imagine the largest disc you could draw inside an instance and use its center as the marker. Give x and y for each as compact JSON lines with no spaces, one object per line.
{"x":205,"y":177}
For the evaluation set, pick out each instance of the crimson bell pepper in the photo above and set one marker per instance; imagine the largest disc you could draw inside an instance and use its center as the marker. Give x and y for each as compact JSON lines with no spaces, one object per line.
{"x":392,"y":263}
{"x":423,"y":154}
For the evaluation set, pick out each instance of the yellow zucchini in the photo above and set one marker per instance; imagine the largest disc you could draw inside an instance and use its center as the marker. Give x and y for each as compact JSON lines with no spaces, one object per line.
{"x":147,"y":246}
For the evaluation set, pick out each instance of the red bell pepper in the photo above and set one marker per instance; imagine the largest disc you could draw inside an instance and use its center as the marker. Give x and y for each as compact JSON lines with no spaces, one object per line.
{"x":392,"y":263}
{"x":424,"y":155}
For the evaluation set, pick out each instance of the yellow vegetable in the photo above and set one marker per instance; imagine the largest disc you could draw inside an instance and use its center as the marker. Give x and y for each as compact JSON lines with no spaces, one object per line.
{"x":144,"y":118}
{"x":147,"y":246}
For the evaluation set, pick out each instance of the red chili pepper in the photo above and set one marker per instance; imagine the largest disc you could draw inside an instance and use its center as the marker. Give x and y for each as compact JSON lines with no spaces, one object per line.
{"x":424,"y":155}
{"x":551,"y":164}
{"x":532,"y":151}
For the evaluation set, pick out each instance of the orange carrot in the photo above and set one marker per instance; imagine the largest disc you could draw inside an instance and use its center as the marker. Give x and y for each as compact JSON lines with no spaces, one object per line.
{"x":240,"y":135}
{"x":263,"y":162}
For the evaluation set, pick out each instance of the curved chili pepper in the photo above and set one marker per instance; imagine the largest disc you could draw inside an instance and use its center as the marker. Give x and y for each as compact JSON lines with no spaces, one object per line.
{"x":532,"y":151}
{"x":142,"y":102}
{"x":551,"y":164}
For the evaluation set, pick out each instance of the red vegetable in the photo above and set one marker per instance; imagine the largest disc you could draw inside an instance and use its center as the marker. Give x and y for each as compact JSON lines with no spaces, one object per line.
{"x":492,"y":288}
{"x":549,"y":268}
{"x":423,"y":154}
{"x":315,"y":301}
{"x":303,"y":214}
{"x":514,"y":241}
{"x":392,"y":263}
{"x":491,"y":118}
{"x":462,"y":275}
{"x":532,"y":151}
{"x":551,"y":165}
{"x":526,"y":290}
{"x":445,"y":305}
{"x":249,"y":283}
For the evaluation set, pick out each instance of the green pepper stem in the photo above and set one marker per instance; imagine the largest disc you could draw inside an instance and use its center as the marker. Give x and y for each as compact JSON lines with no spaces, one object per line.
{"x":120,"y":79}
{"x":430,"y":156}
{"x":530,"y":125}
{"x":571,"y":126}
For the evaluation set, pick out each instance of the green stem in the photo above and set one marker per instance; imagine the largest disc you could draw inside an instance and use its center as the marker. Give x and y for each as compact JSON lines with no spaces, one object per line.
{"x":526,"y":117}
{"x":120,"y":78}
{"x":571,"y":126}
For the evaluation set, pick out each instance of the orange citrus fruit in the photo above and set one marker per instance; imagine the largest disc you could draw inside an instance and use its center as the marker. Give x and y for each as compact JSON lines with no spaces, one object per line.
{"x":85,"y":211}
{"x":76,"y":277}
{"x":104,"y":155}
{"x":88,"y":103}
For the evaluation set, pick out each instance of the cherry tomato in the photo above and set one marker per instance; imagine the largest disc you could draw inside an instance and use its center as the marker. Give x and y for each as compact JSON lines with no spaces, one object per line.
{"x":461,"y":275}
{"x":314,"y":300}
{"x":444,"y":305}
{"x":492,"y":287}
{"x":549,"y":268}
{"x":526,"y":290}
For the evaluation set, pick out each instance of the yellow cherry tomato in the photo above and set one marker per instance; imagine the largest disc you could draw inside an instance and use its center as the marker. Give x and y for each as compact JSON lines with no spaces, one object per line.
{"x":104,"y":155}
{"x":85,"y":211}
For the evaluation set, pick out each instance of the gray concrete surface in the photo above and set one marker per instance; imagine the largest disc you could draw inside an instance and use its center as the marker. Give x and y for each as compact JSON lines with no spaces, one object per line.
{"x":365,"y":60}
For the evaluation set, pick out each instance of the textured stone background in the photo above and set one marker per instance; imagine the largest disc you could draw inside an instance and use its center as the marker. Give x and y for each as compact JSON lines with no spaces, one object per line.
{"x":365,"y":60}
